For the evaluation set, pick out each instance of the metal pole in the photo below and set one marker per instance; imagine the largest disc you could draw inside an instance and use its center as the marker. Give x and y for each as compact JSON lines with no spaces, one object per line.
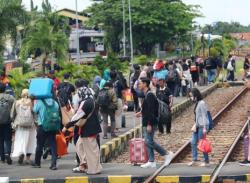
{"x":130,"y":29}
{"x":77,"y":36}
{"x":192,"y":43}
{"x":124,"y":33}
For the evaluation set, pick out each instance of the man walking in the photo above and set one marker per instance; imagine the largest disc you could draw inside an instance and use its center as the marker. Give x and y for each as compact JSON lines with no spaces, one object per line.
{"x":164,"y":95}
{"x":107,"y":101}
{"x":6,"y":102}
{"x":49,"y":120}
{"x":149,"y":115}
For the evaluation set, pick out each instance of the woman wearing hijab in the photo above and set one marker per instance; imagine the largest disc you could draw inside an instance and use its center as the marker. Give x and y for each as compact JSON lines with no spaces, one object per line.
{"x":87,"y":147}
{"x":24,"y":123}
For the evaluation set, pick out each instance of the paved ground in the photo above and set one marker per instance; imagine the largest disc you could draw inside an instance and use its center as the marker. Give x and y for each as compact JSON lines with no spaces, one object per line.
{"x":66,"y":164}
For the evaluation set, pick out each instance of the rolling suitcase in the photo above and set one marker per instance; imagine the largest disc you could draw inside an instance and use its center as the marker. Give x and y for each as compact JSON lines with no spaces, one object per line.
{"x":41,"y":88}
{"x":137,"y":150}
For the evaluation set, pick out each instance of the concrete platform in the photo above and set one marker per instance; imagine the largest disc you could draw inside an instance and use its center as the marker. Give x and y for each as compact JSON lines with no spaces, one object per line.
{"x":122,"y":173}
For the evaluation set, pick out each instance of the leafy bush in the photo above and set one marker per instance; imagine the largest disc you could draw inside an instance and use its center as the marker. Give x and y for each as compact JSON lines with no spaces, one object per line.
{"x":20,"y":81}
{"x":141,"y":60}
{"x":111,"y":61}
{"x":78,"y":71}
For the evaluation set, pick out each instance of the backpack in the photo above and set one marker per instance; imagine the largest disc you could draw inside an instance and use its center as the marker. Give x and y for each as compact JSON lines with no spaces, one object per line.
{"x":64,"y":94}
{"x":52,"y":118}
{"x":122,"y":80}
{"x":230,"y":66}
{"x":209,"y":63}
{"x":172,"y":74}
{"x":24,"y":116}
{"x":104,"y":99}
{"x":163,"y":110}
{"x":4,"y":110}
{"x":193,"y":67}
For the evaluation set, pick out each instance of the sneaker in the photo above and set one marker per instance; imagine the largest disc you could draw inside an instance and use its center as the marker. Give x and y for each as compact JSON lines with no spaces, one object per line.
{"x":20,"y":159}
{"x":168,"y":158}
{"x":192,"y":163}
{"x":53,"y":168}
{"x":8,"y":159}
{"x":114,"y":135}
{"x":149,"y":165}
{"x":34,"y":165}
{"x":245,"y":163}
{"x":204,"y":164}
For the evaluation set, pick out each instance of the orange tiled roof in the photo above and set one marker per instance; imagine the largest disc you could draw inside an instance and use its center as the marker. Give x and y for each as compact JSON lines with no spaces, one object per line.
{"x":241,"y":36}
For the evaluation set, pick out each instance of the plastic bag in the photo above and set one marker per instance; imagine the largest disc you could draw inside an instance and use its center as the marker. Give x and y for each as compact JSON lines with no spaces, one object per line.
{"x":204,"y":145}
{"x":61,"y":145}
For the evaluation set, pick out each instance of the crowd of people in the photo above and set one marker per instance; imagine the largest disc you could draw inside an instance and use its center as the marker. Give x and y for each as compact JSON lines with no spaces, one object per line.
{"x":85,"y":110}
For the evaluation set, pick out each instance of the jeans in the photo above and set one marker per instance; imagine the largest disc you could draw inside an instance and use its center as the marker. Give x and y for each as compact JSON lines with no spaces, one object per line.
{"x":177,"y":89}
{"x":230,"y":76}
{"x":195,"y":138}
{"x":5,"y":140}
{"x":211,"y":73}
{"x":41,"y":137}
{"x":152,"y":145}
{"x":105,"y":116}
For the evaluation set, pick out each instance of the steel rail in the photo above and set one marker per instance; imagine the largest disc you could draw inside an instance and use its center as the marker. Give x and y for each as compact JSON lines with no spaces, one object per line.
{"x":182,"y":148}
{"x":217,"y":170}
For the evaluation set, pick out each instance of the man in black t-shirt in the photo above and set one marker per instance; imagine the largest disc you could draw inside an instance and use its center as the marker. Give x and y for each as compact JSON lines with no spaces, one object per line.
{"x":163,"y":93}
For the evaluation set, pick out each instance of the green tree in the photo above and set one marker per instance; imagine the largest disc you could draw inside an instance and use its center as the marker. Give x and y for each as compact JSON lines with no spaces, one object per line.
{"x":44,"y":37}
{"x":11,"y":14}
{"x":46,"y":32}
{"x":225,"y":27}
{"x":152,"y":21}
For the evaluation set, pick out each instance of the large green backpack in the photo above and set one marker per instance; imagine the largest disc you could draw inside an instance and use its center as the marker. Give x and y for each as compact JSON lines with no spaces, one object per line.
{"x":52,"y":118}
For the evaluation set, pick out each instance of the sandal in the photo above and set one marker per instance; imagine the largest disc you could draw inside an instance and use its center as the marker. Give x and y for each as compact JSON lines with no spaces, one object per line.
{"x":78,"y":170}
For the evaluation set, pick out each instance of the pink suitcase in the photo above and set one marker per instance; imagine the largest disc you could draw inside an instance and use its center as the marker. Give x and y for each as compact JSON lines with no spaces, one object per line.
{"x":138,"y":151}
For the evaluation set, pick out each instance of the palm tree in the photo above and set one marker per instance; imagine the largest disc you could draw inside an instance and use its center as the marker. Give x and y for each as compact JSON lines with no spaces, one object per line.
{"x":12,"y":14}
{"x":43,"y":36}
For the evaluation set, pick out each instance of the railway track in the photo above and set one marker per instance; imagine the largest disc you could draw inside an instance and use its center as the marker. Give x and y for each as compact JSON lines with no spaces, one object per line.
{"x":230,"y":124}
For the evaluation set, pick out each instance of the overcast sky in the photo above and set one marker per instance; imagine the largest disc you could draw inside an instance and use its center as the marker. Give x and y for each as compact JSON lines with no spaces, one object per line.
{"x":213,"y":10}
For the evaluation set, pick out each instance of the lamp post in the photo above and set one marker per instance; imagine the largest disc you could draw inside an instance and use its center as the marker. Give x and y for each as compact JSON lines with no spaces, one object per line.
{"x":124,"y":33}
{"x":130,"y":29}
{"x":77,"y":36}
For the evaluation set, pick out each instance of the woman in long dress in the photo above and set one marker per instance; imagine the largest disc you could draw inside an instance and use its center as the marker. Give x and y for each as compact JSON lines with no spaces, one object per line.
{"x":24,"y":124}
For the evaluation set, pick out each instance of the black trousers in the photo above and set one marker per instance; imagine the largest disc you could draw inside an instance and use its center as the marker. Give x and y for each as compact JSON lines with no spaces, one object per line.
{"x":165,"y":122}
{"x":41,"y":137}
{"x":5,"y":140}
